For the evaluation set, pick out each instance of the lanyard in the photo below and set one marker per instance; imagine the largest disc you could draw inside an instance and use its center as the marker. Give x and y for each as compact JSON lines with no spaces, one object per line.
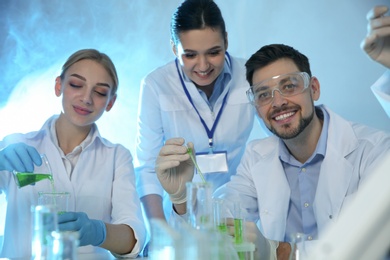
{"x":210,"y":133}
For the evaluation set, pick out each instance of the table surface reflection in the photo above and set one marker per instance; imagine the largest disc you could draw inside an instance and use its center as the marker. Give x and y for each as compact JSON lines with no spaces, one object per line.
{"x":84,"y":256}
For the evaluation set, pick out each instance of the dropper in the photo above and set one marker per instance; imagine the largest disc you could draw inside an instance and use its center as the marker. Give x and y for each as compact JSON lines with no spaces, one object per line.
{"x":189,"y":151}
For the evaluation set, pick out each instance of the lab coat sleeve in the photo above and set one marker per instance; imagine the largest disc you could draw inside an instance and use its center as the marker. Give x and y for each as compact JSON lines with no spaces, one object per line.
{"x":150,"y":138}
{"x":381,"y":90}
{"x":126,"y":207}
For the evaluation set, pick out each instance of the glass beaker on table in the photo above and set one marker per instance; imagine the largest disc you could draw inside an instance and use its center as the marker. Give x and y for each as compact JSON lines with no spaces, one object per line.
{"x":44,"y":222}
{"x":59,"y":201}
{"x":46,"y":234}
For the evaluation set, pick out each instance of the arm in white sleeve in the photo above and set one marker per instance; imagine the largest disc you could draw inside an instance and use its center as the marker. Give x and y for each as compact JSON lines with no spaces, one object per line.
{"x":381,"y":90}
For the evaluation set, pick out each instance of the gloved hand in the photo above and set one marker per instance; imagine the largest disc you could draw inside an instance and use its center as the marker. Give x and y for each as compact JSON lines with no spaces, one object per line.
{"x":174,"y":168}
{"x":377,"y":42}
{"x":20,"y":157}
{"x":91,"y":231}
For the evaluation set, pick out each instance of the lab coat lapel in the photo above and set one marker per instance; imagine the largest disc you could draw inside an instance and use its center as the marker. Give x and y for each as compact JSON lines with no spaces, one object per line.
{"x":336,"y":171}
{"x":273,"y":192}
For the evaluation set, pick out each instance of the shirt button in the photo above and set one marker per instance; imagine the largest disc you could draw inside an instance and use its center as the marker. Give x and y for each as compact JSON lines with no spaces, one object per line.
{"x":306,"y":204}
{"x":309,"y":238}
{"x":303,"y":169}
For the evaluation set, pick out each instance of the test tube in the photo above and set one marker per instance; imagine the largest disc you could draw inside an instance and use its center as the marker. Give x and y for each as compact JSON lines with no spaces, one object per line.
{"x":219,"y":215}
{"x":199,"y":205}
{"x":238,"y":223}
{"x":239,"y":228}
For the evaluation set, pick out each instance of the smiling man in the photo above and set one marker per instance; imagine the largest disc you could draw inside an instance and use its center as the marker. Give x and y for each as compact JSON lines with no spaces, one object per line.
{"x":299,"y":180}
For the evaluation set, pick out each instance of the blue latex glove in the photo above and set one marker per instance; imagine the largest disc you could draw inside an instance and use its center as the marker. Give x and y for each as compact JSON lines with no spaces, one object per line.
{"x":91,"y":231}
{"x":20,"y":157}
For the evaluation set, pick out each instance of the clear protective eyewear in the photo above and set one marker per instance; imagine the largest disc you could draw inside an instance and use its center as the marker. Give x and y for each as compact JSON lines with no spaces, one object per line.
{"x":288,"y":85}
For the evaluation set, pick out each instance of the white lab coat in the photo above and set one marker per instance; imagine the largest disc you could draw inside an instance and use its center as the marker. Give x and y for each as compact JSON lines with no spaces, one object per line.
{"x":165,"y":112}
{"x":381,"y":90}
{"x":102,"y":185}
{"x":260,"y":184}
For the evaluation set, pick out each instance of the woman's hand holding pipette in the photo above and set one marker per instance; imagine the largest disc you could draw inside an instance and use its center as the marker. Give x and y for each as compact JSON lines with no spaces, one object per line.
{"x":174,"y":168}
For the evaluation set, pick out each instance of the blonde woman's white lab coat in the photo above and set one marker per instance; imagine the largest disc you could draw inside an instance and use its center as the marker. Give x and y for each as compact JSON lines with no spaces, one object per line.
{"x":352,"y":152}
{"x":165,"y":112}
{"x":102,"y":185}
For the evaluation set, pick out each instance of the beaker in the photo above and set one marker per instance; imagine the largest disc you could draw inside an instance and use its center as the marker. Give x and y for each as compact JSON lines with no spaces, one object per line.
{"x":58,"y":200}
{"x":42,"y":172}
{"x":44,"y":222}
{"x":199,"y":205}
{"x":63,"y":245}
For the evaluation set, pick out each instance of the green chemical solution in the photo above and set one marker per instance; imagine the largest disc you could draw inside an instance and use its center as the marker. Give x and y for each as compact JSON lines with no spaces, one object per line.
{"x":222,"y":228}
{"x":27,"y":178}
{"x":189,"y":151}
{"x":238,"y":236}
{"x":241,"y":255}
{"x":204,"y":219}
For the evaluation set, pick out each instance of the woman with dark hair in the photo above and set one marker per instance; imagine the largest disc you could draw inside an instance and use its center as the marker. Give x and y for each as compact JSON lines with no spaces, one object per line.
{"x":200,"y":97}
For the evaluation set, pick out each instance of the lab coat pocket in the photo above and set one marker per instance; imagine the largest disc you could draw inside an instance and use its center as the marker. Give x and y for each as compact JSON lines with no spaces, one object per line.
{"x":174,"y":103}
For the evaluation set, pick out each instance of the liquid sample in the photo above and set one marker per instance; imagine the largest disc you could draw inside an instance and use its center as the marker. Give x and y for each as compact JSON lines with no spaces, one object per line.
{"x":204,"y":219}
{"x":238,"y":236}
{"x":27,"y":178}
{"x":222,"y":228}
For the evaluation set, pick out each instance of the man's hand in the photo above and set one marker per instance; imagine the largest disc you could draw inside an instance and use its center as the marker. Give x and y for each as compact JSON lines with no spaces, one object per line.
{"x":174,"y":168}
{"x":19,"y":157}
{"x":377,"y":42}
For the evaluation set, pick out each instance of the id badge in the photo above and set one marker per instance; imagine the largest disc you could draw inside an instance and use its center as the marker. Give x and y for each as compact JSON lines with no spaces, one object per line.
{"x":212,"y":162}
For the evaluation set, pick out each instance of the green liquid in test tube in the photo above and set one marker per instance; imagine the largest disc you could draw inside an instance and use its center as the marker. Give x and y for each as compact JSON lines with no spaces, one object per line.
{"x":238,"y":236}
{"x":222,"y":228}
{"x":238,"y":223}
{"x":204,"y":219}
{"x":238,"y":228}
{"x":189,"y":151}
{"x":219,"y":215}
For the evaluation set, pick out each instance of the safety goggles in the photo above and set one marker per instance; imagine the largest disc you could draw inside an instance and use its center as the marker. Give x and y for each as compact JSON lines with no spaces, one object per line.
{"x":288,"y":85}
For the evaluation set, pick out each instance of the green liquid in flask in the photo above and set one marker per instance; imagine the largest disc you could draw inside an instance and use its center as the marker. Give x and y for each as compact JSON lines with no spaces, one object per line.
{"x":27,"y":178}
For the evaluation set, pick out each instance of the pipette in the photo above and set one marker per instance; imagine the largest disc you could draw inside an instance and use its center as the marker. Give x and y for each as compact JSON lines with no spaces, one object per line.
{"x":189,"y":151}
